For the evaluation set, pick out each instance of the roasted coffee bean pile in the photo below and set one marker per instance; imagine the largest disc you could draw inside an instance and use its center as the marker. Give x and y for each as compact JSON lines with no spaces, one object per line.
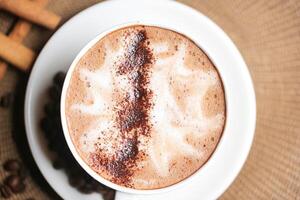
{"x":51,"y":126}
{"x":14,"y":183}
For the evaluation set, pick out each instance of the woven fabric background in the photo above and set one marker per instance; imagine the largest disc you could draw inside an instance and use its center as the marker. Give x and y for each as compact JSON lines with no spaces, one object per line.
{"x":267,"y":32}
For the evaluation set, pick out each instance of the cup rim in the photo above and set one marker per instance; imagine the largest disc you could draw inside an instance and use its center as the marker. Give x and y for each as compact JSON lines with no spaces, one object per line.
{"x":70,"y":143}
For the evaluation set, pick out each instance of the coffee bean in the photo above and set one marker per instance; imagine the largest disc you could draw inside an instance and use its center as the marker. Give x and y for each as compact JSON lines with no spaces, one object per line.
{"x":15,"y":183}
{"x":57,"y":123}
{"x":52,"y":136}
{"x":49,"y":109}
{"x":55,"y":92}
{"x":51,"y":147}
{"x":57,"y":109}
{"x":59,"y":78}
{"x":89,"y":186}
{"x":109,"y":195}
{"x":46,"y":124}
{"x":99,"y":187}
{"x":5,"y":191}
{"x":6,"y":100}
{"x":23,"y":173}
{"x":96,"y":185}
{"x":58,"y":164}
{"x":86,"y":189}
{"x":76,"y":181}
{"x":12,"y":165}
{"x":21,"y":188}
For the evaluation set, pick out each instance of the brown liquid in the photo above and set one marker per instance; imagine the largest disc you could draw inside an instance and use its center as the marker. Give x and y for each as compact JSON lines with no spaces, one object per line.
{"x":145,"y":107}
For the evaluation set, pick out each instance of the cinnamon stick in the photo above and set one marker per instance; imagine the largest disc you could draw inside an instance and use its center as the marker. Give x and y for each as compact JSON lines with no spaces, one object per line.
{"x":15,"y":53}
{"x":31,"y":11}
{"x":18,"y":33}
{"x":3,"y":69}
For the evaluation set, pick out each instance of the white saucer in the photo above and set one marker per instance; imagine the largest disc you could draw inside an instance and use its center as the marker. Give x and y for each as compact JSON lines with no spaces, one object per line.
{"x":62,"y":48}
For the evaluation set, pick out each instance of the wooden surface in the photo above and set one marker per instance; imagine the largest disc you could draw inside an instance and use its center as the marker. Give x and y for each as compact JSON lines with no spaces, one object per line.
{"x":268,"y":35}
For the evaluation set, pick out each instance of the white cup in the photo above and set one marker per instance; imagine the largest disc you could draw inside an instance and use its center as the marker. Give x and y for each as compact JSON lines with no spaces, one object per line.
{"x":234,"y":110}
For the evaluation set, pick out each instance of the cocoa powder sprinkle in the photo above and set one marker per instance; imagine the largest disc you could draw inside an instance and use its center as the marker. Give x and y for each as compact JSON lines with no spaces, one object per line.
{"x":132,"y":114}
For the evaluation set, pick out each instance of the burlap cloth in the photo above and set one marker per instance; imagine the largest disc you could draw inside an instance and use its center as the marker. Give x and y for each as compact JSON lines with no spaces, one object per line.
{"x":267,"y":32}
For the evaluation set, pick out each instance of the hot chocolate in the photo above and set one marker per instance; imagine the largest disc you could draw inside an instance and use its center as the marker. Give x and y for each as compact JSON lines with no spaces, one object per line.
{"x":145,"y":107}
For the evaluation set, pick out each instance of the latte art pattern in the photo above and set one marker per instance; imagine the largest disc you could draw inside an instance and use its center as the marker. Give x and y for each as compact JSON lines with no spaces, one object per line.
{"x":145,"y":107}
{"x":171,"y":120}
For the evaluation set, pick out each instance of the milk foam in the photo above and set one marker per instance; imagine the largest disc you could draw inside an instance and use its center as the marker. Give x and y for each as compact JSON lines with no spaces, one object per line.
{"x":176,"y":113}
{"x":166,"y":111}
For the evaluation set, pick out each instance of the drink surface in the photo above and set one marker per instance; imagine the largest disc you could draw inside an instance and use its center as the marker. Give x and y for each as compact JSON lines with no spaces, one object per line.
{"x":145,"y":107}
